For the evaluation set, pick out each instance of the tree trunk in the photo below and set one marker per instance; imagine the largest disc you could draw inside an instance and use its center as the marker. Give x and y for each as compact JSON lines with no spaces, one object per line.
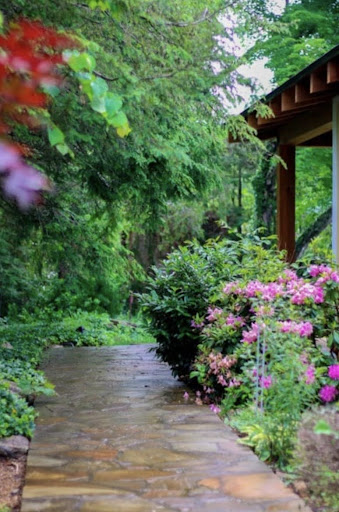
{"x":312,"y":231}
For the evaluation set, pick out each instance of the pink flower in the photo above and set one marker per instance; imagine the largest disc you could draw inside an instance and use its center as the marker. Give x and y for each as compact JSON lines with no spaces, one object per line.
{"x":328,"y":393}
{"x":252,"y":335}
{"x":315,"y":270}
{"x":186,"y":395}
{"x":234,"y":321}
{"x":213,"y":313}
{"x":197,"y":326}
{"x":266,"y":382}
{"x":300,"y":291}
{"x":288,"y":275}
{"x":254,"y":288}
{"x":234,"y":383}
{"x":333,"y":371}
{"x":310,"y":374}
{"x":20,"y":181}
{"x":221,"y":380}
{"x":9,"y":157}
{"x":214,"y":408}
{"x":304,"y":329}
{"x":232,"y":288}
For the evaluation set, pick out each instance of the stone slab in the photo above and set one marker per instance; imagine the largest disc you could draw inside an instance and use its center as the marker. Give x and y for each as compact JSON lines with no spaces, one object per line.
{"x":118,"y":437}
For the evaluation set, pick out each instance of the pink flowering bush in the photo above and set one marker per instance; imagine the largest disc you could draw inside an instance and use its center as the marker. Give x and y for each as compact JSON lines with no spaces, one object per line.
{"x":274,"y":329}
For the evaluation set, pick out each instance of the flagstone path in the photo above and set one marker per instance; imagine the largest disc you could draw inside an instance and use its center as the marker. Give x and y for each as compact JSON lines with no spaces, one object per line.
{"x":119,"y":437}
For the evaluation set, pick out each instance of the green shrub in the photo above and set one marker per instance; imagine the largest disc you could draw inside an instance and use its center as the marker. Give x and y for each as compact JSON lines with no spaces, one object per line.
{"x":16,"y":416}
{"x":181,"y":290}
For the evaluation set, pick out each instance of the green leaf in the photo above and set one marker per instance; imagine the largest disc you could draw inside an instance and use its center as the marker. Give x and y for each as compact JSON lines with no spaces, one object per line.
{"x":124,"y":130}
{"x":98,"y":104}
{"x":81,"y":62}
{"x":55,"y":135}
{"x":99,"y":87}
{"x":322,"y":427}
{"x":118,"y":120}
{"x":64,"y":149}
{"x":113,"y":103}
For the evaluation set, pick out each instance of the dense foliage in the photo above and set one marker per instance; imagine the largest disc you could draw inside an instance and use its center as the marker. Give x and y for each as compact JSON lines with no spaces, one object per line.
{"x":264,"y":348}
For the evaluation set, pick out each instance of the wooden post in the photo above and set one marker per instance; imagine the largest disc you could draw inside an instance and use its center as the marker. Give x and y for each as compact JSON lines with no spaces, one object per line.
{"x":286,"y":201}
{"x":335,"y":182}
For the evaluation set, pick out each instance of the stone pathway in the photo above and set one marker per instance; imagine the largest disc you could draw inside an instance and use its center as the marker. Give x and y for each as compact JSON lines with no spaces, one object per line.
{"x":119,"y":437}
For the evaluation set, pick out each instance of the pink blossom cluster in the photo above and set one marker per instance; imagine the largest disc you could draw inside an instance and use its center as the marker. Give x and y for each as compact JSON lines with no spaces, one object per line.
{"x":251,"y":335}
{"x":300,"y":291}
{"x":219,"y":366}
{"x":266,"y":291}
{"x":333,"y":371}
{"x":195,"y":325}
{"x":288,"y":285}
{"x":20,"y":181}
{"x":214,"y":408}
{"x":235,"y":321}
{"x":218,"y":362}
{"x":325,"y":272}
{"x":266,"y":381}
{"x":304,"y":329}
{"x":287,"y":276}
{"x":233,"y":287}
{"x":328,"y":393}
{"x":310,"y":374}
{"x":213,"y":313}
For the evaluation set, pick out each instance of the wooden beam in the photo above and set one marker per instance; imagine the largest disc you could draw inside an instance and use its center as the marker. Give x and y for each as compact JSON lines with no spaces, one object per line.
{"x":288,"y":99}
{"x":322,"y":141}
{"x":286,"y":201}
{"x":332,"y":72}
{"x":307,"y":125}
{"x":252,"y":121}
{"x":318,"y":81}
{"x":302,"y":92}
{"x":275,"y":105}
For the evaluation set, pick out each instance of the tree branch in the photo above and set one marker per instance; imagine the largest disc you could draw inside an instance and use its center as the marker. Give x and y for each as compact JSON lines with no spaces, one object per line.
{"x":107,"y":78}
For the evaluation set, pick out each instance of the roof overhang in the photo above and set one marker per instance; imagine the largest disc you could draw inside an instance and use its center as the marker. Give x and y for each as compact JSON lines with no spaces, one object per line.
{"x":302,"y":106}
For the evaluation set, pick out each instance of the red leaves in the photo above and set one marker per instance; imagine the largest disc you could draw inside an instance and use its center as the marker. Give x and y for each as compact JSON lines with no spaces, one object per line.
{"x":29,"y":55}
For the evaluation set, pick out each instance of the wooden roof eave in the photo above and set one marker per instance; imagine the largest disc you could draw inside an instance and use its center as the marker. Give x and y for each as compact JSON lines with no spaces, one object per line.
{"x":295,"y":103}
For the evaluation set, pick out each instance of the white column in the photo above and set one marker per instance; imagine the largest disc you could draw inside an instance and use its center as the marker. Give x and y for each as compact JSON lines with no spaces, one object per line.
{"x":335,"y":182}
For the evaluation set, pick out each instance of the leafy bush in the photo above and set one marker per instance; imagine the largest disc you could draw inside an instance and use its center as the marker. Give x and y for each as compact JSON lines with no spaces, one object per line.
{"x":318,"y":456}
{"x":181,"y":290}
{"x":261,"y":345}
{"x":16,"y":416}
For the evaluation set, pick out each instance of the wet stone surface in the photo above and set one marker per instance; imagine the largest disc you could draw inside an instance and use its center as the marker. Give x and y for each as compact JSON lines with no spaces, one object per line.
{"x":119,"y":437}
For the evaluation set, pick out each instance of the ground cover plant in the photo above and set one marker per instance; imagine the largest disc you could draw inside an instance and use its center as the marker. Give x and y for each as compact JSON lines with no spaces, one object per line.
{"x":264,"y":342}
